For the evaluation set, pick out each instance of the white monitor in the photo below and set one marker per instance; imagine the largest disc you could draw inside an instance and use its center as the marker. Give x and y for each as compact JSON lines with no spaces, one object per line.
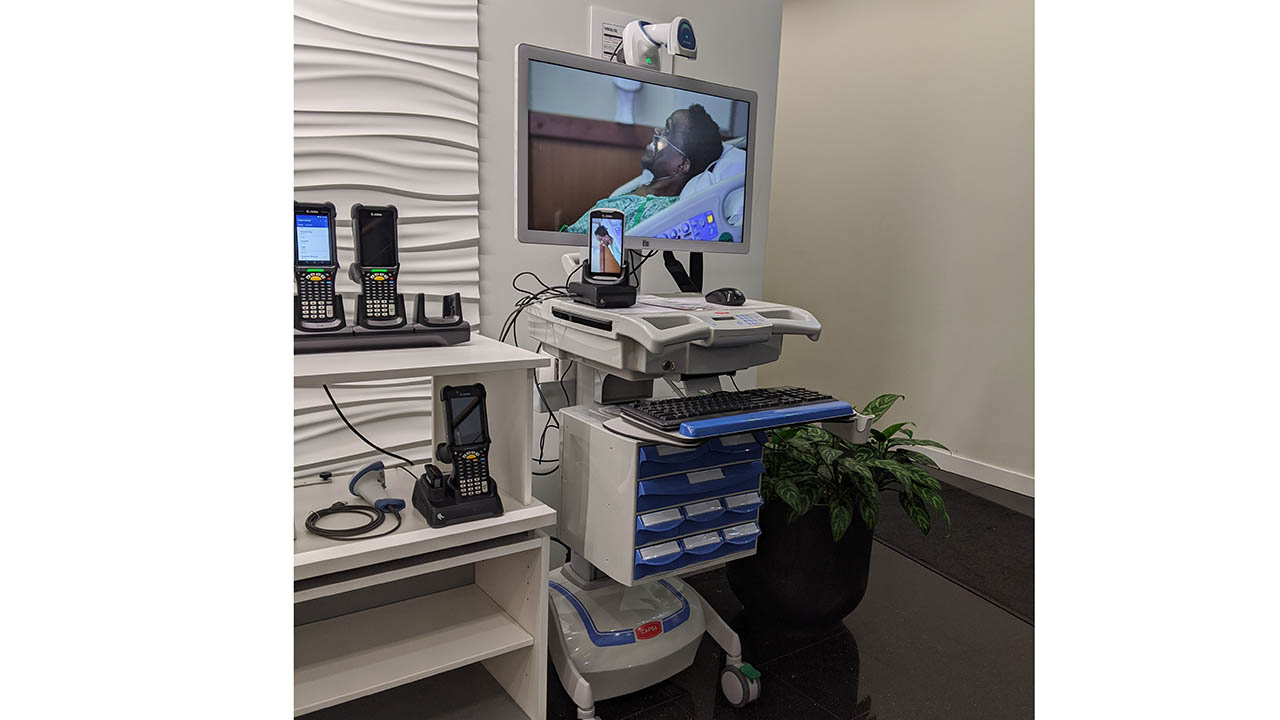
{"x":675,"y":154}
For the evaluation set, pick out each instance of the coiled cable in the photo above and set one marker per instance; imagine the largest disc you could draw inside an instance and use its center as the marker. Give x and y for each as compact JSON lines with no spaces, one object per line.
{"x":375,"y":519}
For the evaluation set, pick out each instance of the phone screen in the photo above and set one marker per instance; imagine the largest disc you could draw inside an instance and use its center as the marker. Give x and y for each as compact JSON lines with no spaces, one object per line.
{"x":377,"y":237}
{"x":468,"y":420}
{"x":311,"y":239}
{"x":605,"y":237}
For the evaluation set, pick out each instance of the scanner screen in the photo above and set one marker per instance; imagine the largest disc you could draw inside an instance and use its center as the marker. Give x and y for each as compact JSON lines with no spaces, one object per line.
{"x":468,"y":421}
{"x":311,"y":235}
{"x":377,"y":238}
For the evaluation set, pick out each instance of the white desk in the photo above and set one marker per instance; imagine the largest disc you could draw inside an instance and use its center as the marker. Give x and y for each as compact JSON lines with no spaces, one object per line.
{"x":497,"y":617}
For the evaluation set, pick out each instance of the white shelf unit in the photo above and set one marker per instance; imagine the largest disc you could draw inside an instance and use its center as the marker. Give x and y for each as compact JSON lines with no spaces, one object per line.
{"x":497,"y":621}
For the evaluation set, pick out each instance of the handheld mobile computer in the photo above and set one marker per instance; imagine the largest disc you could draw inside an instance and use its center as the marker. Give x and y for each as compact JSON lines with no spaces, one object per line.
{"x":315,"y":264}
{"x":468,"y":443}
{"x":378,"y":261}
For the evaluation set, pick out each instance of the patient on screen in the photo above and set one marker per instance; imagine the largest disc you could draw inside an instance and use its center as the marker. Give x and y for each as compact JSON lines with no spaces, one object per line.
{"x":680,"y":151}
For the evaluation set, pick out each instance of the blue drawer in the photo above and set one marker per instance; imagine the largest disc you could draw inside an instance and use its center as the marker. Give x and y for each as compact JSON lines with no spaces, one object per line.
{"x":696,"y":517}
{"x":675,"y":554}
{"x":654,"y":460}
{"x":682,"y":489}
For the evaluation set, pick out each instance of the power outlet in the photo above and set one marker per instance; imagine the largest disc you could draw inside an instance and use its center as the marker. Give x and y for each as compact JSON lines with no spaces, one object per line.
{"x":606,"y":33}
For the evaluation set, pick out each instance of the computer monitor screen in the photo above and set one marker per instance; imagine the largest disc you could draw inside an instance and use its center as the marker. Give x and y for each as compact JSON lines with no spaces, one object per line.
{"x":673,"y":153}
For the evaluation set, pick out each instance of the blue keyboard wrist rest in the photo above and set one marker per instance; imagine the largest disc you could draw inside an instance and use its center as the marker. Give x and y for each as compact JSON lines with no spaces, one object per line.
{"x":761,"y":419}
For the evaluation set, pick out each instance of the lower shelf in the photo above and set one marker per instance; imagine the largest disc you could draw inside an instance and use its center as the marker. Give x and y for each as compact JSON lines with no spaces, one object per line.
{"x":463,"y":694}
{"x":351,"y":656}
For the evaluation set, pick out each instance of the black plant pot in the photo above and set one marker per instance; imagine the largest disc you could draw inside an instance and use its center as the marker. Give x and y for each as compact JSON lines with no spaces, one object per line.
{"x":799,"y":577}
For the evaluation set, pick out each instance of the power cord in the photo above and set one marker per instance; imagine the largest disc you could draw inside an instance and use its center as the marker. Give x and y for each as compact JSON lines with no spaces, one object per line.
{"x":375,"y":519}
{"x":366,"y":440}
{"x":639,"y":265}
{"x":567,"y":551}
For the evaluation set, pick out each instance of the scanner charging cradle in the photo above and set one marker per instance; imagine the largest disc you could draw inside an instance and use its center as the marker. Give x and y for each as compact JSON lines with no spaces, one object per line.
{"x":424,"y":331}
{"x":440,"y":505}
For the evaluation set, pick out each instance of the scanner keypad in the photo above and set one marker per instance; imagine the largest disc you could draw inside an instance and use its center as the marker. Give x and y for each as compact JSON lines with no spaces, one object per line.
{"x":379,"y":294}
{"x":471,"y":472}
{"x":315,"y":295}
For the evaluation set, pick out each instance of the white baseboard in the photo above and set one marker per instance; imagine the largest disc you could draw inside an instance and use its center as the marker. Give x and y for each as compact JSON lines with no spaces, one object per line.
{"x":983,"y":473}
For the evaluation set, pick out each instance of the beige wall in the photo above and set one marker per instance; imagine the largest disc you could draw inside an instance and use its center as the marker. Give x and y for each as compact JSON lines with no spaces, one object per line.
{"x":902,"y":212}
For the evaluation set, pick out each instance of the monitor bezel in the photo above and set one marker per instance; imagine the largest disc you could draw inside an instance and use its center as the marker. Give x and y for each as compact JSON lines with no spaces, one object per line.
{"x":525,"y":234}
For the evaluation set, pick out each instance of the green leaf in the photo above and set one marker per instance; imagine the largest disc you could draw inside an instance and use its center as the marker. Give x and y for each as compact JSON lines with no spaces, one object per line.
{"x":826,"y":473}
{"x":907,"y":432}
{"x":868,"y":489}
{"x":904,"y":474}
{"x":862,"y":453}
{"x":912,"y":456}
{"x":828,"y":454}
{"x":894,"y":428}
{"x":924,"y":478}
{"x":870,"y":512}
{"x":853,"y":468}
{"x":881,"y":405}
{"x":841,"y":518}
{"x":877,"y":435}
{"x":787,"y":490}
{"x":782,"y":435}
{"x":916,"y":511}
{"x":936,"y":502}
{"x":916,"y":441}
{"x":803,"y":504}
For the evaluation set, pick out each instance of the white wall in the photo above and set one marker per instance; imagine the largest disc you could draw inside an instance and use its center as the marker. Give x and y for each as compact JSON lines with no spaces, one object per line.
{"x":385,"y":111}
{"x":737,"y":45}
{"x":902,"y":215}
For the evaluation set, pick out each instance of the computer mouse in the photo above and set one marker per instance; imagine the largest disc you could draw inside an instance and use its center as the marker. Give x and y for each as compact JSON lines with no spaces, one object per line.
{"x":726,"y":296}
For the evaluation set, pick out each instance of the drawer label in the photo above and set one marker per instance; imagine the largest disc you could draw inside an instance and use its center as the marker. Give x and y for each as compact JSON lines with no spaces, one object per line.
{"x":705,"y":475}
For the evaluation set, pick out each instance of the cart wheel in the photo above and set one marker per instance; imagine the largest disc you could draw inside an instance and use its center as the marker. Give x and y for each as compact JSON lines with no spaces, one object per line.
{"x":740,"y":684}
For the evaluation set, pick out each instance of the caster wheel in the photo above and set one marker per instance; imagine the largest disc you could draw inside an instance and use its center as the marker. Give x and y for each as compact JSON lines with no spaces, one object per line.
{"x":740,"y":684}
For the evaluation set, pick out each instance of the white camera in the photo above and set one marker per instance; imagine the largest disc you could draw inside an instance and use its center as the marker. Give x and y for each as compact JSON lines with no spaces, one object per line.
{"x":680,"y":38}
{"x":642,"y":41}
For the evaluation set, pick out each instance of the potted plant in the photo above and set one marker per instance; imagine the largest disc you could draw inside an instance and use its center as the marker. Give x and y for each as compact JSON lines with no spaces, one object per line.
{"x":822,"y":500}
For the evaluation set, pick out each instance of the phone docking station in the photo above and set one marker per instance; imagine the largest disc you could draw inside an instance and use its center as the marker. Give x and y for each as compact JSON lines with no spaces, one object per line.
{"x":603,"y":296}
{"x":449,"y":329}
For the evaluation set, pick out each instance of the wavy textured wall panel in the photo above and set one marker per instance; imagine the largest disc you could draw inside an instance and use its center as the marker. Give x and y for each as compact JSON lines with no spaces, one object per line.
{"x":386,"y":107}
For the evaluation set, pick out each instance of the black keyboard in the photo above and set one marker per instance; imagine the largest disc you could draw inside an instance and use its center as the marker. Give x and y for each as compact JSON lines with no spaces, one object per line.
{"x":669,"y":413}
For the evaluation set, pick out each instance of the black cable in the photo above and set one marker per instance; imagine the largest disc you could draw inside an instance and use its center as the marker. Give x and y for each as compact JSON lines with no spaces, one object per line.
{"x":376,"y":518}
{"x":644,"y":259}
{"x":567,"y":551}
{"x":735,"y":384}
{"x":563,"y":389}
{"x":353,"y":429}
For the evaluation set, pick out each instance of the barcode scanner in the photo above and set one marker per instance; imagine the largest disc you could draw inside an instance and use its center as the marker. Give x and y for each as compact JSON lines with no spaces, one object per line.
{"x":370,"y":484}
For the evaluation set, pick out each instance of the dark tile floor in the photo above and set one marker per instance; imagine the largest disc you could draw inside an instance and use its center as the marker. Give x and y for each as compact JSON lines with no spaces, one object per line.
{"x":919,"y":647}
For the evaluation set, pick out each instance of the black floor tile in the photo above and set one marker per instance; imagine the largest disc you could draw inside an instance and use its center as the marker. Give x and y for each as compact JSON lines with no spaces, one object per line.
{"x":827,"y":673}
{"x":670,"y":710}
